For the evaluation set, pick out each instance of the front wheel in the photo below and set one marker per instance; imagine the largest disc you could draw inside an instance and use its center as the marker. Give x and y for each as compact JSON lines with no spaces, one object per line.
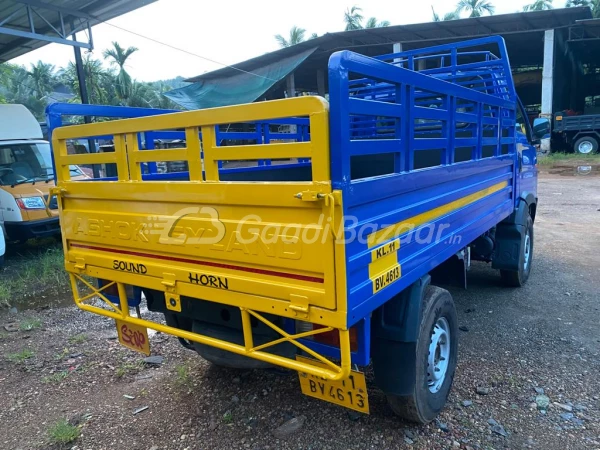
{"x":586,"y":145}
{"x":437,"y":349}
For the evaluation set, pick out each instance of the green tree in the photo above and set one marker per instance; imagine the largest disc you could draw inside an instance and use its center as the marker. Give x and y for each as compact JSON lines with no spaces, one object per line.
{"x":475,"y":8}
{"x":118,"y":56}
{"x":448,"y":16}
{"x":42,"y":79}
{"x":373,"y":23}
{"x":538,"y":5}
{"x":99,"y":81}
{"x":594,"y":5}
{"x":296,"y":36}
{"x":353,"y":18}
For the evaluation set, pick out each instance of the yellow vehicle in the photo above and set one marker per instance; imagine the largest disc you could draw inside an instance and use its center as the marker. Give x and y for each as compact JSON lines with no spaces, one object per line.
{"x":316,"y":254}
{"x":26,"y":177}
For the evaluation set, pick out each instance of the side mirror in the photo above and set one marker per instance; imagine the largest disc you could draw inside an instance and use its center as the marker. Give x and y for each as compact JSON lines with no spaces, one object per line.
{"x":541,"y":128}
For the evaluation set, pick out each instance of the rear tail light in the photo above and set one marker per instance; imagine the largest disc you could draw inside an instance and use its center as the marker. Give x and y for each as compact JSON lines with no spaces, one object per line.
{"x":330,"y":338}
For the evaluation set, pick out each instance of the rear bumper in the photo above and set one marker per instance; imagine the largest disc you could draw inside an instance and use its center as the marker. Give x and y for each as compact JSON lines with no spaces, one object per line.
{"x":32,"y":229}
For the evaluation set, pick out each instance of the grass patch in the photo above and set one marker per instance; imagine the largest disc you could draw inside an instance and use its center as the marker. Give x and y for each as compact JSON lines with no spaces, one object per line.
{"x":183,"y":376}
{"x":21,"y":356}
{"x":29,"y":324}
{"x":569,"y":158}
{"x":56,"y":377}
{"x":63,"y":432}
{"x":227,"y":417}
{"x":25,"y":279}
{"x":129,"y":368}
{"x":78,"y":338}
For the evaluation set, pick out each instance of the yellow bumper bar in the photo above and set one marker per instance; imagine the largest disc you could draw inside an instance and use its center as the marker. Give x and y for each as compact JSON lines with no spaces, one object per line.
{"x":120,"y":312}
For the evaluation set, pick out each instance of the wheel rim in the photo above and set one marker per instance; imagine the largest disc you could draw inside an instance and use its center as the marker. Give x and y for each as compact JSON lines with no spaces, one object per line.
{"x":439,"y":355}
{"x":527,"y":255}
{"x":585,"y":147}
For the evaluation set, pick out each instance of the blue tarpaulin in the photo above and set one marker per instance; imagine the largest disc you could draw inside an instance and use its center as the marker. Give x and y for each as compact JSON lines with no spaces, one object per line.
{"x":239,"y":88}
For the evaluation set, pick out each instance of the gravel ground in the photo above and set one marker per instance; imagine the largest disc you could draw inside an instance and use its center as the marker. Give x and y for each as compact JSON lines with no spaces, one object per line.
{"x":519,"y":348}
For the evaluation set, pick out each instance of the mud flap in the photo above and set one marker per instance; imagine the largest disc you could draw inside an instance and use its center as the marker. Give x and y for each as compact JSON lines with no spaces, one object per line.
{"x":509,"y":239}
{"x":395,"y":331}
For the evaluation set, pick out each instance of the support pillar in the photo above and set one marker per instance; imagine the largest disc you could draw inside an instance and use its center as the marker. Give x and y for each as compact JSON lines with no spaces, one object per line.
{"x":321,"y":82}
{"x":547,"y":74}
{"x":397,"y":49}
{"x":290,"y":85}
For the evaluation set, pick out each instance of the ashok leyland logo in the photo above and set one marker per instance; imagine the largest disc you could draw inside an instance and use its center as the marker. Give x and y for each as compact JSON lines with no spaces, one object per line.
{"x":189,"y":226}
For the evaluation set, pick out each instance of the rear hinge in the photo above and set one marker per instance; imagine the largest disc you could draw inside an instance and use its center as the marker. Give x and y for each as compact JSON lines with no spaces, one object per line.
{"x":299,"y":304}
{"x":172,"y":299}
{"x":80,"y":263}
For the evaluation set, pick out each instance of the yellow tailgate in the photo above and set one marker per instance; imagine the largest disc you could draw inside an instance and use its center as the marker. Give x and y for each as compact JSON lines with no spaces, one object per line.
{"x":264,"y":245}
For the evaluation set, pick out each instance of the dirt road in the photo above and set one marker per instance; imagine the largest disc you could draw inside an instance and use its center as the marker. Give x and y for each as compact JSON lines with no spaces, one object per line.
{"x":517,"y":348}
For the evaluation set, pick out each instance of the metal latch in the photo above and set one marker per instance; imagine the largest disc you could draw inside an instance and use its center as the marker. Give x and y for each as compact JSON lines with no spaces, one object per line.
{"x":299,"y":304}
{"x":80,"y":263}
{"x":310,"y":196}
{"x":172,"y":299}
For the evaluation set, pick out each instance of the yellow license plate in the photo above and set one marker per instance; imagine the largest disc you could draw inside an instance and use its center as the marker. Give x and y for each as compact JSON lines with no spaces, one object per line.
{"x":350,"y":393}
{"x":133,"y":337}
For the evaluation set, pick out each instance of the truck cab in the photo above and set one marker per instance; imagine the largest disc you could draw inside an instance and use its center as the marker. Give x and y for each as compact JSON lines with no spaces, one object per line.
{"x":26,"y":177}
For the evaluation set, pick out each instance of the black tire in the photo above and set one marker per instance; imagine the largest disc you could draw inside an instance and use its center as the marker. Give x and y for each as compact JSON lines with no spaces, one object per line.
{"x":424,"y":404}
{"x":518,"y":278}
{"x":590,"y":140}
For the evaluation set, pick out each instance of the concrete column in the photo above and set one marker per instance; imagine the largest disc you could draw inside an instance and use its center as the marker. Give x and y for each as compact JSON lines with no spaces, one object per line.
{"x":290,"y":85}
{"x":321,"y":82}
{"x":397,"y":49}
{"x":547,"y":73}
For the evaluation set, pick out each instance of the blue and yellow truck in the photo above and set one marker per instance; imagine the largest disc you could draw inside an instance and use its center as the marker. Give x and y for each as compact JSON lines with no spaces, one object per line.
{"x":309,"y":234}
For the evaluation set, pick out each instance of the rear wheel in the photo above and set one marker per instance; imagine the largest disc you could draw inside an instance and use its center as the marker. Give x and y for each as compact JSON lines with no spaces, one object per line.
{"x":437,"y":349}
{"x":517,"y":278}
{"x":586,"y":145}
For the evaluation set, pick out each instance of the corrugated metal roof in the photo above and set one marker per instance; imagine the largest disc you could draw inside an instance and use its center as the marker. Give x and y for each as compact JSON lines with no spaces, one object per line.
{"x":97,"y":10}
{"x":375,"y":41}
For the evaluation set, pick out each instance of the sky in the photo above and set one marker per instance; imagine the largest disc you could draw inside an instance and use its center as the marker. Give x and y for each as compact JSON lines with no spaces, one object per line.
{"x":229,"y":31}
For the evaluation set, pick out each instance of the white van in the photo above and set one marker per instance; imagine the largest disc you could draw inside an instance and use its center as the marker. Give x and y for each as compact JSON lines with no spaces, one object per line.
{"x":26,"y":177}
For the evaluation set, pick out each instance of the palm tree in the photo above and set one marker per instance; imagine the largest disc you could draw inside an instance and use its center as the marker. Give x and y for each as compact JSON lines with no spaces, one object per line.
{"x":372,"y":23}
{"x":42,"y":78}
{"x":119,"y":56}
{"x":538,"y":5}
{"x":296,"y":36}
{"x":313,"y":36}
{"x":99,"y":81}
{"x":475,"y":8}
{"x":448,"y":16}
{"x":353,"y":18}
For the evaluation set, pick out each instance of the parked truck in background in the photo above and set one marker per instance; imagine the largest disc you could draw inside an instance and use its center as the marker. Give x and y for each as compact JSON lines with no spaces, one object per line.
{"x":316,"y":250}
{"x":577,"y":133}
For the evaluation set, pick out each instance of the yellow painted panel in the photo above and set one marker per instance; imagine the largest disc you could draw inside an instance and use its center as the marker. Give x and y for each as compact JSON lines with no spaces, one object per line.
{"x":350,"y":392}
{"x":386,"y":278}
{"x":384,"y":250}
{"x":133,"y":336}
{"x":383,"y":264}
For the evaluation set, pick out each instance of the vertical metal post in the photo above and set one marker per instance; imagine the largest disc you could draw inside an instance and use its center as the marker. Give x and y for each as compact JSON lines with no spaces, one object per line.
{"x":547,"y":72}
{"x":321,"y":82}
{"x":83,"y":92}
{"x":291,"y":85}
